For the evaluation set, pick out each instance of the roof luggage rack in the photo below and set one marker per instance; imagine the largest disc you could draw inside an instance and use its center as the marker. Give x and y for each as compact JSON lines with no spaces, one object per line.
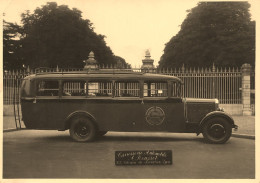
{"x":46,"y":70}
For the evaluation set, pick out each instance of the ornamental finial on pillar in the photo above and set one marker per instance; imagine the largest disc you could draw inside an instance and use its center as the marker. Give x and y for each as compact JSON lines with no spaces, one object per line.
{"x":91,"y":63}
{"x":147,"y":62}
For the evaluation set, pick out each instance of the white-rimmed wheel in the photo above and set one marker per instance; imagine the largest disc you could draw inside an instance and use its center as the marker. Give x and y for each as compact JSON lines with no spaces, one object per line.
{"x":82,"y":129}
{"x":217,"y":130}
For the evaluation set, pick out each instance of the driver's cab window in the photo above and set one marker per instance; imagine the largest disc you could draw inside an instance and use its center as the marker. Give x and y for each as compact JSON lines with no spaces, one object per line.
{"x":155,"y":89}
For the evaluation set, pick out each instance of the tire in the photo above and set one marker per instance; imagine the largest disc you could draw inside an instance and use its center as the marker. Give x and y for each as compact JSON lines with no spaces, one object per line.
{"x":101,"y":133}
{"x":82,"y":129}
{"x":217,"y":130}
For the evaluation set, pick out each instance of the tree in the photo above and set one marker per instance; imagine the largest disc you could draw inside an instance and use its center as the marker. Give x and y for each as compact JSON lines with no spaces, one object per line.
{"x":213,"y":32}
{"x":56,"y":35}
{"x":11,"y":46}
{"x":121,"y":63}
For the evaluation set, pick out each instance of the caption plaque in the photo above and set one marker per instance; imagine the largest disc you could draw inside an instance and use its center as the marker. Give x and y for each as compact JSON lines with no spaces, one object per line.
{"x":148,"y":157}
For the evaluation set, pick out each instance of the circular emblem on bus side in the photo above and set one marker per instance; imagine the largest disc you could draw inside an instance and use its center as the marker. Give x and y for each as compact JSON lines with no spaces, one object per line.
{"x":155,"y":115}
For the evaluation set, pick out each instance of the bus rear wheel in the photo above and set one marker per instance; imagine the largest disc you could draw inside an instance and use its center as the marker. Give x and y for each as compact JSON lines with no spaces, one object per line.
{"x":217,"y":130}
{"x":82,"y":129}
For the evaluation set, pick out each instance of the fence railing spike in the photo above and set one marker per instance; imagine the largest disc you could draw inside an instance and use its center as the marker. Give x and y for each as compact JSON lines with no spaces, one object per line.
{"x":183,"y":68}
{"x":213,"y":67}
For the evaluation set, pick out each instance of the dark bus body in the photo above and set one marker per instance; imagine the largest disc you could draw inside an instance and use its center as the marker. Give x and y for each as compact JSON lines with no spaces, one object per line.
{"x":90,"y":104}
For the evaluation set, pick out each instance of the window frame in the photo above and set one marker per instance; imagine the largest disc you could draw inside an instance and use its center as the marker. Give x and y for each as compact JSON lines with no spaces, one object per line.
{"x":128,"y":81}
{"x":100,"y":81}
{"x":72,"y":80}
{"x":37,"y":82}
{"x":141,"y":82}
{"x":179,"y":89}
{"x":168,"y":88}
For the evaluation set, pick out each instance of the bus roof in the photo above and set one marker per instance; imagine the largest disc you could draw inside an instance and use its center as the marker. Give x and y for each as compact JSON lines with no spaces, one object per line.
{"x":103,"y":75}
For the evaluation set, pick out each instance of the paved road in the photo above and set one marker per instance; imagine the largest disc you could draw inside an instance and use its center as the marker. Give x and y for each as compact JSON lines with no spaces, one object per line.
{"x":52,"y":154}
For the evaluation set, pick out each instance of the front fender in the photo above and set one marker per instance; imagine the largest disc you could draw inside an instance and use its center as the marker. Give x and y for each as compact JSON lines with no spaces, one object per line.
{"x":218,"y":114}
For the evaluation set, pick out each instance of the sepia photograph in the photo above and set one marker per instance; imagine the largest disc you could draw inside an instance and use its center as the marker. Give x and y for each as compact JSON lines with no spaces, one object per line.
{"x":128,"y":90}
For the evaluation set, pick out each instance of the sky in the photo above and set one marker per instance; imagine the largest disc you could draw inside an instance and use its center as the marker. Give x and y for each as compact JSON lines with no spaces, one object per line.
{"x":131,"y":26}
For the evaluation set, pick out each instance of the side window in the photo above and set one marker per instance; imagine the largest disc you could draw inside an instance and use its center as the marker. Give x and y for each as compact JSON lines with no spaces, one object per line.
{"x":176,"y":88}
{"x":74,"y":88}
{"x":155,"y":89}
{"x":100,"y":89}
{"x":48,"y":88}
{"x":127,"y":89}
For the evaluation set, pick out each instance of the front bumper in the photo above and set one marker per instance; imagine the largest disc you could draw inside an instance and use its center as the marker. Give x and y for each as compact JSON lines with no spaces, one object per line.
{"x":235,"y":127}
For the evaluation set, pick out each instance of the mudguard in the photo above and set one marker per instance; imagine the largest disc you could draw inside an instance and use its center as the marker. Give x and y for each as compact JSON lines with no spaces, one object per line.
{"x":76,"y":113}
{"x":218,"y":114}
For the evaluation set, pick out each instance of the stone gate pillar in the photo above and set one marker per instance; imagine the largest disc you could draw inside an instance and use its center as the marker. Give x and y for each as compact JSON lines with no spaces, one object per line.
{"x":148,"y":63}
{"x":246,"y":72}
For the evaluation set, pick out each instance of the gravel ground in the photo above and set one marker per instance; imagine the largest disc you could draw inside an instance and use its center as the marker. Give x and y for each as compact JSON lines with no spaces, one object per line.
{"x":53,"y":154}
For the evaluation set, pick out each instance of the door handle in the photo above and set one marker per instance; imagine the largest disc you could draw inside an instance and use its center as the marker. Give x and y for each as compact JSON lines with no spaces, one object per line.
{"x":142,"y":101}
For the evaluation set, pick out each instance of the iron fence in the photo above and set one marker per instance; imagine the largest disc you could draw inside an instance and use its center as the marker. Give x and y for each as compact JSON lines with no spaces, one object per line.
{"x":224,"y":84}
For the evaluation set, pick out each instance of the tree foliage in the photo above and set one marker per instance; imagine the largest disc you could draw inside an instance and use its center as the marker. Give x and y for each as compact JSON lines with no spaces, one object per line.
{"x":11,"y":46}
{"x":213,"y":32}
{"x":56,"y":35}
{"x":121,"y":63}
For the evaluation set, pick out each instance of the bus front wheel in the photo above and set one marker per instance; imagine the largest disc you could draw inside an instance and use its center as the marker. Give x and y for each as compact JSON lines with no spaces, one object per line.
{"x":217,"y":130}
{"x":82,"y":129}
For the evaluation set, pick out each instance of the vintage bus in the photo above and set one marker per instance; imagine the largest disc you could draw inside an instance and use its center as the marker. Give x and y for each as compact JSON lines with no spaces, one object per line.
{"x":91,"y":103}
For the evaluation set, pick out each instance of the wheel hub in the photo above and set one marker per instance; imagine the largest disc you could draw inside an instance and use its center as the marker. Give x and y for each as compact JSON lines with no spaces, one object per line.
{"x":82,"y":130}
{"x":217,"y":131}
